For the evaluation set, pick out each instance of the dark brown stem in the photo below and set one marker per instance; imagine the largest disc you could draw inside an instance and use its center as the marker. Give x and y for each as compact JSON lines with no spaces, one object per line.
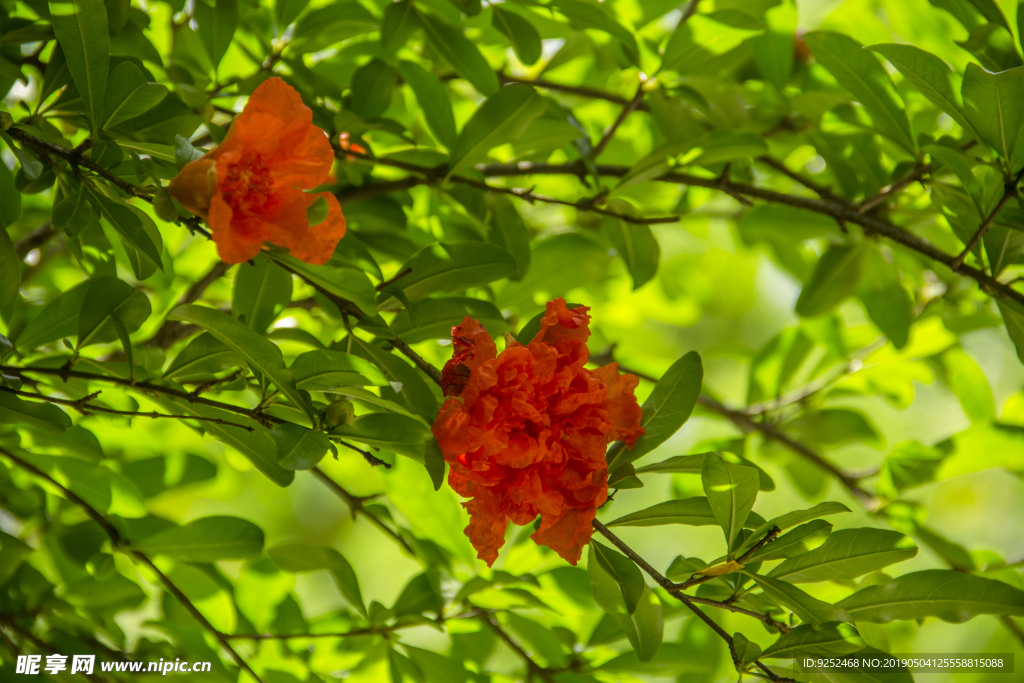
{"x":124,"y":544}
{"x":84,"y":406}
{"x":818,"y":189}
{"x":356,"y":505}
{"x":729,"y":607}
{"x":369,"y":457}
{"x":919,"y":171}
{"x":431,"y":372}
{"x":581,"y":90}
{"x":1010,"y":193}
{"x":396,"y":278}
{"x":35,"y":239}
{"x":609,"y":132}
{"x":533,"y":667}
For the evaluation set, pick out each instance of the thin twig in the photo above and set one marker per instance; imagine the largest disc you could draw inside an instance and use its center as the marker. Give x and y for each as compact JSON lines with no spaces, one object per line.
{"x":86,"y":407}
{"x":356,"y":505}
{"x":120,"y":542}
{"x":533,"y":667}
{"x":919,"y":171}
{"x":698,"y":579}
{"x":1008,"y":194}
{"x":369,"y":457}
{"x":662,"y":581}
{"x":609,"y":132}
{"x":431,"y":372}
{"x":35,"y":239}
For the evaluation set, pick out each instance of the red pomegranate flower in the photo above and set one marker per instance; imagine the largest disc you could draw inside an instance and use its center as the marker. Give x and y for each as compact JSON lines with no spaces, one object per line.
{"x":525,"y":431}
{"x":250,"y":188}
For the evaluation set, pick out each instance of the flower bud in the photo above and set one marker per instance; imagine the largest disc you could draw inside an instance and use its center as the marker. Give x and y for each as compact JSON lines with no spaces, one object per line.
{"x":338,"y":413}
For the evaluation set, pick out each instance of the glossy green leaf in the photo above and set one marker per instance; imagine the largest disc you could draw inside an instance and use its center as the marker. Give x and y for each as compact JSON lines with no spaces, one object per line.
{"x":521,"y":33}
{"x":372,"y":87}
{"x":109,"y":299}
{"x":460,"y":53}
{"x":502,"y":117}
{"x":207,"y":539}
{"x":297,"y":557}
{"x":847,"y":554}
{"x":809,"y":609}
{"x":45,"y":416}
{"x":257,"y":351}
{"x":217,"y":24}
{"x":731,"y":491}
{"x":10,"y":274}
{"x":509,"y":232}
{"x":859,"y":72}
{"x":943,"y":593}
{"x":626,"y":574}
{"x":432,"y":99}
{"x":637,"y":246}
{"x":299,"y":448}
{"x":835,"y":277}
{"x":324,"y":370}
{"x":57,"y":320}
{"x":667,"y":409}
{"x":261,"y":291}
{"x":204,"y":355}
{"x":129,"y":95}
{"x":791,"y":519}
{"x":540,"y":638}
{"x":745,"y":650}
{"x":836,"y":638}
{"x":454,"y":267}
{"x":696,"y":43}
{"x":348,"y":283}
{"x":645,"y":626}
{"x":73,"y":213}
{"x":389,"y":431}
{"x":10,"y":198}
{"x":129,"y":226}
{"x":690,"y":511}
{"x":793,"y":543}
{"x":992,"y":104}
{"x":81,"y":29}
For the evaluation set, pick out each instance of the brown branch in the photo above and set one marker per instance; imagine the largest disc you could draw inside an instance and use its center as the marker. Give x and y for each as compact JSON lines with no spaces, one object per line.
{"x":729,"y":607}
{"x":396,"y":278}
{"x":369,"y":457}
{"x":431,"y":372}
{"x":76,"y":159}
{"x":122,"y":543}
{"x":350,"y":195}
{"x":581,"y":90}
{"x":820,"y":190}
{"x":35,"y":239}
{"x":662,"y":581}
{"x":355,"y":503}
{"x":533,"y":667}
{"x":84,"y":406}
{"x":919,"y":171}
{"x":1008,"y":194}
{"x":609,"y":132}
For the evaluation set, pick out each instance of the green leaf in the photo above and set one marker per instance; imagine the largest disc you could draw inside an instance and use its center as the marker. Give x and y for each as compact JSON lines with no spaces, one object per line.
{"x":690,"y":511}
{"x":644,"y":626}
{"x":910,"y":464}
{"x":391,"y":431}
{"x":81,"y":29}
{"x":1013,"y":318}
{"x":509,"y":232}
{"x":636,"y":245}
{"x":970,"y":385}
{"x":262,"y":290}
{"x":791,"y":519}
{"x":433,"y":460}
{"x":859,"y":72}
{"x":697,"y":43}
{"x":299,"y":448}
{"x":992,"y":104}
{"x":460,"y":53}
{"x":57,"y":320}
{"x":929,"y":74}
{"x":521,"y":33}
{"x":791,"y":544}
{"x":129,"y":94}
{"x":625,"y":573}
{"x":208,"y":539}
{"x":847,"y":554}
{"x":10,"y":198}
{"x":834,"y":638}
{"x":372,"y":86}
{"x":407,"y":385}
{"x":731,"y":491}
{"x":257,"y":351}
{"x":433,"y":100}
{"x":884,"y":298}
{"x":204,"y":355}
{"x":745,"y":650}
{"x":348,"y":283}
{"x":297,"y":557}
{"x":398,"y":23}
{"x":667,"y":409}
{"x":809,"y":609}
{"x":835,"y":277}
{"x":455,"y":266}
{"x":73,"y":214}
{"x":540,"y":638}
{"x":217,"y":25}
{"x":955,"y":162}
{"x":584,"y":14}
{"x":694,"y":464}
{"x":324,"y":370}
{"x":108,"y":299}
{"x":718,"y":146}
{"x":10,"y":273}
{"x":499,"y":120}
{"x":129,"y":226}
{"x":774,"y":50}
{"x":433,"y":318}
{"x":943,"y":593}
{"x":45,"y":416}
{"x":990,"y":10}
{"x":286,"y":12}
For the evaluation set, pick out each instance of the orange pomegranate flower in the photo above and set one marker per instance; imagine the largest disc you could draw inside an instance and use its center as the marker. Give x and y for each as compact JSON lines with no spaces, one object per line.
{"x":525,"y":431}
{"x":250,"y":188}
